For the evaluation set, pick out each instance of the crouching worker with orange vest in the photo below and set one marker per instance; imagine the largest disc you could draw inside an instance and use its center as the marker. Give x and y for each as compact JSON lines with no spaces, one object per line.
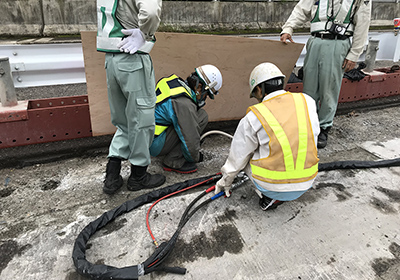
{"x":180,"y":119}
{"x":275,"y":143}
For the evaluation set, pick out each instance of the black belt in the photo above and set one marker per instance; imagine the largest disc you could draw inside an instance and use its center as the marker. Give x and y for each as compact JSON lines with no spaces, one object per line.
{"x":329,"y":36}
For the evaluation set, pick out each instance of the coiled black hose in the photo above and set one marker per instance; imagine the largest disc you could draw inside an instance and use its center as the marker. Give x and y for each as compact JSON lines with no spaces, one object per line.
{"x":106,"y":272}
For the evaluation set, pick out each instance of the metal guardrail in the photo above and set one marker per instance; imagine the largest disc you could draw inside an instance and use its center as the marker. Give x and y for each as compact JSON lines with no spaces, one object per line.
{"x":55,"y":64}
{"x":45,"y":64}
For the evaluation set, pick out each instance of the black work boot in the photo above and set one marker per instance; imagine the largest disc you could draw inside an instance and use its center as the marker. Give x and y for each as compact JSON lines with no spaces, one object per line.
{"x":113,"y":181}
{"x":267,"y":203}
{"x":323,"y":138}
{"x":141,"y":179}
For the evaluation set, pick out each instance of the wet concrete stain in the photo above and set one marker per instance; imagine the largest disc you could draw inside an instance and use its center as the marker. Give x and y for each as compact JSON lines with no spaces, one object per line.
{"x":382,"y":206}
{"x":310,"y":196}
{"x":340,"y":190}
{"x":111,"y":227}
{"x":386,"y":268}
{"x":228,"y":216}
{"x":349,"y":173}
{"x":337,"y":186}
{"x":6,"y":192}
{"x":50,"y":185}
{"x":341,"y":197}
{"x":314,"y":194}
{"x":393,"y":195}
{"x":15,"y":230}
{"x":9,"y":249}
{"x":225,"y":238}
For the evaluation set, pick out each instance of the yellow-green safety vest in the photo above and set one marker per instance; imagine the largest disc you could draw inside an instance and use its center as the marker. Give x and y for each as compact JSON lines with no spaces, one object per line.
{"x":293,"y":155}
{"x":166,"y":88}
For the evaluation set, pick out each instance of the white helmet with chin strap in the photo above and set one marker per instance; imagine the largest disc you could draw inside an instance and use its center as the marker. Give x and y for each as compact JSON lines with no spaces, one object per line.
{"x":264,"y":72}
{"x":211,"y":78}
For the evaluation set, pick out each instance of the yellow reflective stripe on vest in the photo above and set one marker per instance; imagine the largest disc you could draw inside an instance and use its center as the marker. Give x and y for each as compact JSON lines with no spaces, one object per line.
{"x":160,"y":129}
{"x":282,"y":175}
{"x":291,"y":172}
{"x":280,"y":135}
{"x":166,"y":91}
{"x":303,"y":135}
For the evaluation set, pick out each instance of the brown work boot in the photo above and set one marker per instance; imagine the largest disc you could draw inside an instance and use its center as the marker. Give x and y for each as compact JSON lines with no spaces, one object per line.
{"x":141,"y":179}
{"x":113,"y":181}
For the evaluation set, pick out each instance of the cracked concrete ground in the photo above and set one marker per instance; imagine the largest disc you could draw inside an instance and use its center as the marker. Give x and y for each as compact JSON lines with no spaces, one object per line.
{"x":345,"y":227}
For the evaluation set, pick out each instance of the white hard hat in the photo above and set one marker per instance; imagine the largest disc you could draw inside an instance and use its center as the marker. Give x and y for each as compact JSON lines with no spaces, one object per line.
{"x":211,"y":76}
{"x":263,"y":72}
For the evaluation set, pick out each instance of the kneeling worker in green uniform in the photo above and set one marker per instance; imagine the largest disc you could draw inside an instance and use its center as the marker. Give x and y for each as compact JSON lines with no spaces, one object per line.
{"x":180,"y":119}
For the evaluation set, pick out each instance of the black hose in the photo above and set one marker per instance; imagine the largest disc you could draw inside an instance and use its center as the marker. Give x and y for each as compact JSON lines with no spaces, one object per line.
{"x":358,"y":164}
{"x":163,"y":251}
{"x":105,"y":272}
{"x":191,"y":205}
{"x":188,"y":216}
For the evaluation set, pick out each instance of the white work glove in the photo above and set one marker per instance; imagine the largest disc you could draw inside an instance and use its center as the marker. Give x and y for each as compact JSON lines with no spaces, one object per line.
{"x":219,"y":186}
{"x":133,"y":42}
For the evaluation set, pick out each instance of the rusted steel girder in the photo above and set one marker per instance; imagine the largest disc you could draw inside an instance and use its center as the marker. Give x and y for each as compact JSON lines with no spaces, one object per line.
{"x":45,"y":120}
{"x":381,"y":83}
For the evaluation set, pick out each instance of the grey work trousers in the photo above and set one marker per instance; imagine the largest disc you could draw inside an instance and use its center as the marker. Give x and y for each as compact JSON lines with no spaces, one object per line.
{"x":323,"y":75}
{"x":132,"y":99}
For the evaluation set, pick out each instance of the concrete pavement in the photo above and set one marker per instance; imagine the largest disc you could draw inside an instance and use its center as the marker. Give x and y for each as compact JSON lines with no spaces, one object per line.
{"x":345,"y":227}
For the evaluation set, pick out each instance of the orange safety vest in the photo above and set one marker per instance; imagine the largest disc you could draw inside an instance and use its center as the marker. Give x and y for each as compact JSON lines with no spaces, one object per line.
{"x":293,"y":155}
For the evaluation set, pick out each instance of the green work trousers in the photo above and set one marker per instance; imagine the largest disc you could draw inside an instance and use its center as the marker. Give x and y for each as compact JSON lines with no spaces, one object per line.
{"x":132,"y":99}
{"x":323,"y":75}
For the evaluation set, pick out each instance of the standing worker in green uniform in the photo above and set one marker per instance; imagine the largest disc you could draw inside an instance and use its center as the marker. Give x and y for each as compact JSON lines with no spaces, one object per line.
{"x":126,"y":34}
{"x":330,"y":52}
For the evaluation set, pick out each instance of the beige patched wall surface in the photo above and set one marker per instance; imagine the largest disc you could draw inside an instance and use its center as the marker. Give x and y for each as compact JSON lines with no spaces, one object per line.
{"x":179,"y":54}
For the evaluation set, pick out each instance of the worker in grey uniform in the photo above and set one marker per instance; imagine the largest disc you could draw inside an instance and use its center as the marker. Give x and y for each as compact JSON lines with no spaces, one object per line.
{"x":126,"y":34}
{"x":180,"y":119}
{"x":330,"y":52}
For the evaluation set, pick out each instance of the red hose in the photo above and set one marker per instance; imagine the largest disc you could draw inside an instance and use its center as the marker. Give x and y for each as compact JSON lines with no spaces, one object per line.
{"x":168,"y":195}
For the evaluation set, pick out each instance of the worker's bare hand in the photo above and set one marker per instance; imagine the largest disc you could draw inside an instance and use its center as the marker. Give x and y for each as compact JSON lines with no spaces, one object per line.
{"x":285,"y":37}
{"x":348,"y":65}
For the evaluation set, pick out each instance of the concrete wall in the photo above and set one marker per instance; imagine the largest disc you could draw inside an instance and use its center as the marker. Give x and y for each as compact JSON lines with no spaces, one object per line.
{"x":52,"y":17}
